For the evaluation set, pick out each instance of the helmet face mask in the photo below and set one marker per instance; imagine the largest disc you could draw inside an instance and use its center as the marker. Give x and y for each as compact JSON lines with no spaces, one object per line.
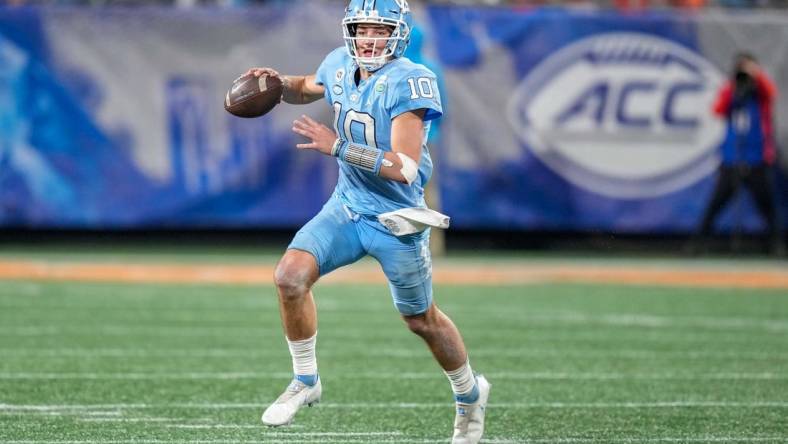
{"x":394,"y":14}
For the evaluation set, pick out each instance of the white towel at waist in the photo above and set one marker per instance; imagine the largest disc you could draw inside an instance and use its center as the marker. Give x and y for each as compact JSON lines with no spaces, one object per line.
{"x":412,"y":220}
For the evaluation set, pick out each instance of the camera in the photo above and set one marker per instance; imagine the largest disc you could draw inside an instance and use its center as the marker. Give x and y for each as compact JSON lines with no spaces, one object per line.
{"x":741,"y":76}
{"x":744,"y":85}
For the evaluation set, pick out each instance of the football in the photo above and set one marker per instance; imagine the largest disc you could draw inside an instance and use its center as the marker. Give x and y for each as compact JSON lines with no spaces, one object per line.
{"x":251,"y":96}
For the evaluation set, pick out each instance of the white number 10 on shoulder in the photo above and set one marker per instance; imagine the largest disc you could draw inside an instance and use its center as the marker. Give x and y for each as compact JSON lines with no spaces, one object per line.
{"x":424,"y":88}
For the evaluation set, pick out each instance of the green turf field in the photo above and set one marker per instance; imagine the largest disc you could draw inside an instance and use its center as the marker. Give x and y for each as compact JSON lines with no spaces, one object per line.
{"x":110,"y":363}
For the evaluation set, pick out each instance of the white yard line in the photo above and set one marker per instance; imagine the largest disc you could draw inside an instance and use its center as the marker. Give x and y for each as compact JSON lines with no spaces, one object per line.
{"x":689,"y":439}
{"x":389,"y":353}
{"x":135,"y":420}
{"x":573,"y":318}
{"x":562,"y":317}
{"x":274,"y":439}
{"x":82,"y":408}
{"x":696,"y":338}
{"x":349,"y":438}
{"x":270,"y":433}
{"x":397,"y":376}
{"x":670,"y":336}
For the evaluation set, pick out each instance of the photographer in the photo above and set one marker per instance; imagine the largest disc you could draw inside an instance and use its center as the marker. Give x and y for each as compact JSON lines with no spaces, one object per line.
{"x":748,"y":151}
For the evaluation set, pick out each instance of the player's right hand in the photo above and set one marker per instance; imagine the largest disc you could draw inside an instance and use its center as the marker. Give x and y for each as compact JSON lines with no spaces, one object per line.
{"x":257,"y":72}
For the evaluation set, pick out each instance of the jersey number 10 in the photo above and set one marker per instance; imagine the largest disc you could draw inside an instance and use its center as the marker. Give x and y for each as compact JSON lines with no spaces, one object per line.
{"x":424,"y":88}
{"x":419,"y":88}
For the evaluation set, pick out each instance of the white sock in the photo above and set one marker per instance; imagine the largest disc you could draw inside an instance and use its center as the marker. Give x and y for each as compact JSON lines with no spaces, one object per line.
{"x":462,"y":381}
{"x":303,"y":353}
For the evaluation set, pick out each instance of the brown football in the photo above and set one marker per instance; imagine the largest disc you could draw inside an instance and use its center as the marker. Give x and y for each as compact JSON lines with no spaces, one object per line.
{"x":251,"y":96}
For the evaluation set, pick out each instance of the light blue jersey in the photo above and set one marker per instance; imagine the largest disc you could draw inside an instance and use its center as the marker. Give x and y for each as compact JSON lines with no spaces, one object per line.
{"x":363,"y":114}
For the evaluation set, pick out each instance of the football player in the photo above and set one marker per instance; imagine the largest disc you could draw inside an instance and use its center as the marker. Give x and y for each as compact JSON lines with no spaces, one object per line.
{"x":383,"y":105}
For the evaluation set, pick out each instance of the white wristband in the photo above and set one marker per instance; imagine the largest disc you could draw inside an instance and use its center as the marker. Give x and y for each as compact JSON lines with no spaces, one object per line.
{"x":335,"y":147}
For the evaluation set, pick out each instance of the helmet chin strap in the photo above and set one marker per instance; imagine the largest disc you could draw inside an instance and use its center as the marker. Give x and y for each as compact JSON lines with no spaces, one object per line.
{"x":371,"y":64}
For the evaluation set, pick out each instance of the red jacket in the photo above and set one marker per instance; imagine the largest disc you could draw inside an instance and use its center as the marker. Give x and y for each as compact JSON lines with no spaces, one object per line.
{"x":767,"y":93}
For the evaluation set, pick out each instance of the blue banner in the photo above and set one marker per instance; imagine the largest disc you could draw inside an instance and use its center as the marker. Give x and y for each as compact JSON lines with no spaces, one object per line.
{"x":554,"y":119}
{"x":582,"y":120}
{"x":126,"y":129}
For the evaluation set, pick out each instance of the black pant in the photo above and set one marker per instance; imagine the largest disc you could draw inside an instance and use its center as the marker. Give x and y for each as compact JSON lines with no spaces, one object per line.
{"x":758,"y":180}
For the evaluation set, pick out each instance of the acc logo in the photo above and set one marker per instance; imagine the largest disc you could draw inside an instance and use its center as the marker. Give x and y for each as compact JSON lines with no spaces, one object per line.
{"x":626,"y":115}
{"x":339,"y":74}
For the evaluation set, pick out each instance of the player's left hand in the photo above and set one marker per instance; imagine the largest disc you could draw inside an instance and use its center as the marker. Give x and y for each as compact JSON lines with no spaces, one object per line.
{"x":322,"y":137}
